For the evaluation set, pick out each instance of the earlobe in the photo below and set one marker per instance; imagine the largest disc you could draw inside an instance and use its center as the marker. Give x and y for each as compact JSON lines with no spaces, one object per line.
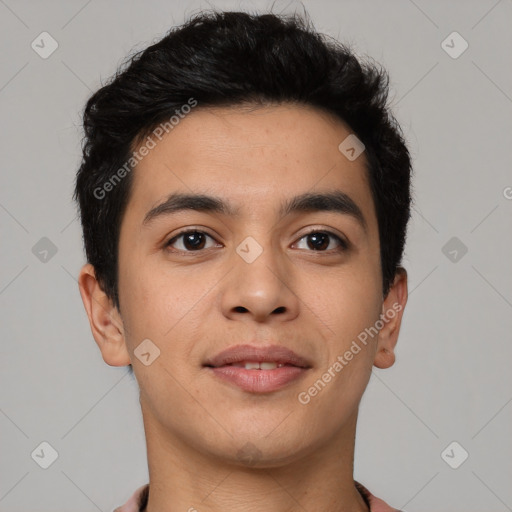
{"x":391,"y":317}
{"x":104,"y":318}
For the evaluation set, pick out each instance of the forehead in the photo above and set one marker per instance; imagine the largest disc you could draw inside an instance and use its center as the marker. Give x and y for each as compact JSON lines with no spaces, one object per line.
{"x":254,"y":158}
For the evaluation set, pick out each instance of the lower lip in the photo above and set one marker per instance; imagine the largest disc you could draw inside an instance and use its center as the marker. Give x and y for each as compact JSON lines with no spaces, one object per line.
{"x":259,"y":381}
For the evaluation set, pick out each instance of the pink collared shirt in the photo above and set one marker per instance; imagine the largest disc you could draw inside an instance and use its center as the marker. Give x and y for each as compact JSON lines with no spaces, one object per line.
{"x":139,"y":499}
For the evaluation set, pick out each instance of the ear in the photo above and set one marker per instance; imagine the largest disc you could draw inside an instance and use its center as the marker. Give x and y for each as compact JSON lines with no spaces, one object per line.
{"x":392,"y":312}
{"x":104,"y":318}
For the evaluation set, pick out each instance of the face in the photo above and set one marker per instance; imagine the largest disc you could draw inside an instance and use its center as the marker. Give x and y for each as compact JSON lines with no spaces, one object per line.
{"x":264,"y":270}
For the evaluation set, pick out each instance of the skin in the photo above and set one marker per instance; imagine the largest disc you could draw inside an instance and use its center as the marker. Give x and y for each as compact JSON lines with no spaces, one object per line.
{"x":200,"y":431}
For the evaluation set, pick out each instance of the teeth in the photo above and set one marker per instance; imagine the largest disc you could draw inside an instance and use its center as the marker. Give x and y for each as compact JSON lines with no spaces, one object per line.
{"x":254,"y":365}
{"x":268,"y":366}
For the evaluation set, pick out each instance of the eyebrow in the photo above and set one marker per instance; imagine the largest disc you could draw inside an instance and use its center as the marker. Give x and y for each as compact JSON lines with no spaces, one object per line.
{"x":336,"y":201}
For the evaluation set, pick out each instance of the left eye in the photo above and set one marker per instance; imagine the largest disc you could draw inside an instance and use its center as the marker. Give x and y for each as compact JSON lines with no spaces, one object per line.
{"x":320,"y":241}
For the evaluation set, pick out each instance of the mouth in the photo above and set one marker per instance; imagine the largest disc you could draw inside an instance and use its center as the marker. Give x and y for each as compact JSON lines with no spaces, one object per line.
{"x":259,"y":365}
{"x":258,"y":369}
{"x":242,"y":355}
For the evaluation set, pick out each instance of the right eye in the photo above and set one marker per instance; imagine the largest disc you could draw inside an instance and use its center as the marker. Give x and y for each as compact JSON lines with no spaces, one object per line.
{"x":191,"y":240}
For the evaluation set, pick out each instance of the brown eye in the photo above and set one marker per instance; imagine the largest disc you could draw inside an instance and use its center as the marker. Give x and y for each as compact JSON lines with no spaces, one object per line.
{"x":189,"y":241}
{"x":323,"y":240}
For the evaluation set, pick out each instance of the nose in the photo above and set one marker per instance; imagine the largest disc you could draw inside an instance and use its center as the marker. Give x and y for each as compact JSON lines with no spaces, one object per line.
{"x":261,"y":290}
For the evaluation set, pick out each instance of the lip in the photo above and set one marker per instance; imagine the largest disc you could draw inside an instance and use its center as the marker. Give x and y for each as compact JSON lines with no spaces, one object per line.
{"x":277,"y":353}
{"x":258,"y":381}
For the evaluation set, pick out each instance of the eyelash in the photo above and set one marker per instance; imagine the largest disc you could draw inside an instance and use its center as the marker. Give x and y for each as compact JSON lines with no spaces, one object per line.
{"x":343,"y":244}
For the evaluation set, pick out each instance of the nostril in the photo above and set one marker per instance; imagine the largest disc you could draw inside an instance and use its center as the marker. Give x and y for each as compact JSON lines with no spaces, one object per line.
{"x":241,"y":309}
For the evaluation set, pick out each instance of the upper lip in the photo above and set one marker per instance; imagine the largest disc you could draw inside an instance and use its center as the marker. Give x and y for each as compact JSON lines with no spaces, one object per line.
{"x":271,"y":353}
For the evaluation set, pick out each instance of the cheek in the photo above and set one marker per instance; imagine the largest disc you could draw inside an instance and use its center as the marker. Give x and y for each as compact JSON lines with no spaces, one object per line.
{"x":350,"y":307}
{"x":346,"y":316}
{"x":146,"y":303}
{"x":345,"y":300}
{"x":162,"y":304}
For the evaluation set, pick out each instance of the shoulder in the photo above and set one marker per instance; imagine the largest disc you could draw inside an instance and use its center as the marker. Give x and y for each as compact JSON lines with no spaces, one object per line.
{"x":137,"y":501}
{"x":375,"y":504}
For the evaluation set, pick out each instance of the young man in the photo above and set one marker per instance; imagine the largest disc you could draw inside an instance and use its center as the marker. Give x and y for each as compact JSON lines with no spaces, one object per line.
{"x":244,"y":196}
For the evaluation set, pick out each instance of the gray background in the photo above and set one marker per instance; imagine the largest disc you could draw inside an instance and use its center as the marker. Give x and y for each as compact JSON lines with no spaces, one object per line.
{"x":452,"y":380}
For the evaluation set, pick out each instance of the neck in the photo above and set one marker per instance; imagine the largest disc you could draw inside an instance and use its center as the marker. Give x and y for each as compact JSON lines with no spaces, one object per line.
{"x":183,"y":478}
